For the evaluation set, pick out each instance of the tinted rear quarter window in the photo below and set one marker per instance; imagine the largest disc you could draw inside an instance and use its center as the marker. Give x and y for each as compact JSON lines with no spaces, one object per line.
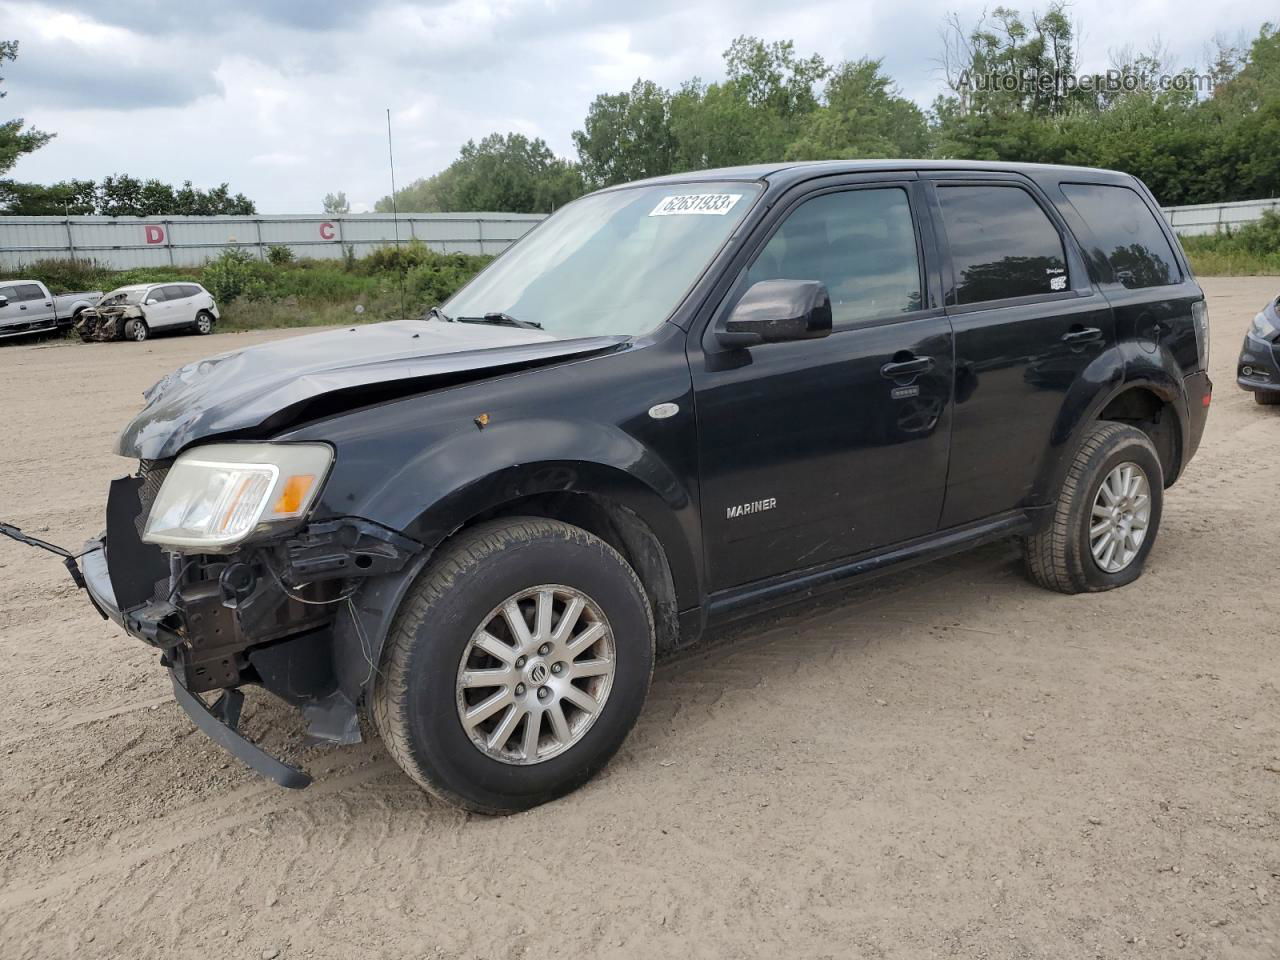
{"x":1130,"y":241}
{"x":1002,"y":244}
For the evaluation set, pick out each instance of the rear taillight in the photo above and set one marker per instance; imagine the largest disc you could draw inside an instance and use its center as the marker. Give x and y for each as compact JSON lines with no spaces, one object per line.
{"x":1200,"y":320}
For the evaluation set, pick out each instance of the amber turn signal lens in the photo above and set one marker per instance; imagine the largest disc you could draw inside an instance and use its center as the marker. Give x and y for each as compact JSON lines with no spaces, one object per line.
{"x":294,"y":494}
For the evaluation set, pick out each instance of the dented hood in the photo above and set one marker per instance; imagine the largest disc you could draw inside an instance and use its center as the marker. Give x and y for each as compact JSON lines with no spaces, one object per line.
{"x":267,"y":385}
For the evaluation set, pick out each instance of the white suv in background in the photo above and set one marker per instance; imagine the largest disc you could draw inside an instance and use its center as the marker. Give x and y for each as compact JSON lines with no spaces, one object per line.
{"x":132,"y":312}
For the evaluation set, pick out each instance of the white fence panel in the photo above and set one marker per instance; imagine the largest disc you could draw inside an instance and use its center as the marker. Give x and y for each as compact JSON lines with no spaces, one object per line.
{"x":1199,"y":219}
{"x":127,"y":242}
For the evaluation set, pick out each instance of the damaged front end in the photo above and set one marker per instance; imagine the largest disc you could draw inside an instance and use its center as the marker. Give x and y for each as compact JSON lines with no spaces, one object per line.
{"x":266,"y":613}
{"x":104,"y":323}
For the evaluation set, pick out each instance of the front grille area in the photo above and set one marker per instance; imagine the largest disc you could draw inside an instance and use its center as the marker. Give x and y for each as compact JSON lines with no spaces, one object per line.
{"x":152,"y":473}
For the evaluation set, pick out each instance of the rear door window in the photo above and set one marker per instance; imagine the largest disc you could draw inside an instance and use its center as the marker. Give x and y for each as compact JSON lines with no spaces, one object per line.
{"x":176,"y":291}
{"x":860,"y":243}
{"x":1130,"y":242}
{"x":30,"y":291}
{"x":1002,"y":243}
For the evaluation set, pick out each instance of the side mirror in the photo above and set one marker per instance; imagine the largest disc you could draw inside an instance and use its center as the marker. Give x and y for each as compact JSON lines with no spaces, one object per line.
{"x":150,"y":301}
{"x":777,"y":311}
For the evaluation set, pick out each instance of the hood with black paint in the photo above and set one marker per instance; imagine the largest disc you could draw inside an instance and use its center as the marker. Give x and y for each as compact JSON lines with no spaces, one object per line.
{"x":267,"y":385}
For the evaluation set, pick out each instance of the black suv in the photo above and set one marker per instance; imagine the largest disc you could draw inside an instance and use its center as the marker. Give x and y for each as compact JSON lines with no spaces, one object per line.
{"x":673,"y":403}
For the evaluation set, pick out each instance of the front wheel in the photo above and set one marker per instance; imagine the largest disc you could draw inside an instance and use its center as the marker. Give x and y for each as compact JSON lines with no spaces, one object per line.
{"x":204,"y":323}
{"x":136,"y":330}
{"x":1106,"y":518}
{"x":1266,"y":398}
{"x":516,"y":666}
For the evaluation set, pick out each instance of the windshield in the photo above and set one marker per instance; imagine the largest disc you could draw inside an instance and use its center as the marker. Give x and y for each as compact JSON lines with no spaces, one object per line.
{"x":617,"y":262}
{"x":118,"y":297}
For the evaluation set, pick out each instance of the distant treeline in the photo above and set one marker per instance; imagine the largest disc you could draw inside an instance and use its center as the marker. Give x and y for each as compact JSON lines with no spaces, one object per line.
{"x":1205,"y":134}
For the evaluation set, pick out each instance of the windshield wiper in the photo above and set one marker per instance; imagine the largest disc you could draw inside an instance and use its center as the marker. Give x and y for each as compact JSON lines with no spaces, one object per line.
{"x":502,"y":320}
{"x":439,"y":314}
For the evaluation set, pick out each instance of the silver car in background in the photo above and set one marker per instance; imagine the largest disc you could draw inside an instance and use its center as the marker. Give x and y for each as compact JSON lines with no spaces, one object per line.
{"x":27,"y":306}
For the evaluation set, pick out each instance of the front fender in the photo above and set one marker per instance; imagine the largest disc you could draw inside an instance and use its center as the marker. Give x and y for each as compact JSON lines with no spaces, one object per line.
{"x":479,"y":472}
{"x":502,"y":464}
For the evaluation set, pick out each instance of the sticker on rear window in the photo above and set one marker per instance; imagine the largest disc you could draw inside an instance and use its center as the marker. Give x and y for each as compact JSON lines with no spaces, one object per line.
{"x":713,"y":204}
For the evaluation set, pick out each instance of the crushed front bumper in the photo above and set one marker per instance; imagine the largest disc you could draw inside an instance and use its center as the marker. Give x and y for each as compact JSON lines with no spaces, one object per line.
{"x":218,"y":721}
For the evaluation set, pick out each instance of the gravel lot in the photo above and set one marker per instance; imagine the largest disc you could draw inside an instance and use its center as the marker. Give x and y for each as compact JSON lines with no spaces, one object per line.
{"x":947,"y":763}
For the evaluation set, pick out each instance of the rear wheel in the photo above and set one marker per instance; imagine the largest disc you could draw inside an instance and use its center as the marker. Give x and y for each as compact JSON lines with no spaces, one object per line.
{"x":136,"y":330}
{"x":1267,"y":398}
{"x":204,"y":322}
{"x":516,"y":665}
{"x":1105,"y":520}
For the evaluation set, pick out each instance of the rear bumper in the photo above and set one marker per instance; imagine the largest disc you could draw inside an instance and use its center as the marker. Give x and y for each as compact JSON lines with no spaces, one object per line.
{"x":149,"y":624}
{"x":1199,"y":393}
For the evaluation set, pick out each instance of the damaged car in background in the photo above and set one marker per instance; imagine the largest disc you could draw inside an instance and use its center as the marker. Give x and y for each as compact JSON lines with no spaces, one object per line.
{"x":134,"y":312}
{"x":669,"y":405}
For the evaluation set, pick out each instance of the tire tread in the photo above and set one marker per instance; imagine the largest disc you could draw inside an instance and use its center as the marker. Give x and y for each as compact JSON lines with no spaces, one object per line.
{"x":1046,"y":551}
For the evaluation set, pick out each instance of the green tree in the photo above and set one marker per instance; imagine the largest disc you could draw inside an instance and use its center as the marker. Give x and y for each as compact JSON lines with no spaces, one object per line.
{"x":863,"y":115}
{"x":336,"y":203}
{"x":509,"y":173}
{"x":627,"y":136}
{"x":16,"y":139}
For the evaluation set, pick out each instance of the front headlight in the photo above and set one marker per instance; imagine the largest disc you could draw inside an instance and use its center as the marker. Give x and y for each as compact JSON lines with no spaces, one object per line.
{"x":215,"y":496}
{"x":1264,"y":328}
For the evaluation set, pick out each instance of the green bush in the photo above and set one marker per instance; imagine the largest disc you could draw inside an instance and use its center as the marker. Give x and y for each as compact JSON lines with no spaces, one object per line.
{"x":435,"y":281}
{"x":231,"y":275}
{"x":257,"y":294}
{"x":279,"y":255}
{"x":1250,"y":249}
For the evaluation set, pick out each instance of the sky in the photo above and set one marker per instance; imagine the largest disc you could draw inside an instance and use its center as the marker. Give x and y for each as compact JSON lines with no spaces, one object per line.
{"x":286,"y":101}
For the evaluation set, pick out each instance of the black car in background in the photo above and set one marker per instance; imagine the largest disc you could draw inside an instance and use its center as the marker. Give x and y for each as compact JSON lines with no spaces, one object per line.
{"x":1258,"y":370}
{"x":671,"y":404}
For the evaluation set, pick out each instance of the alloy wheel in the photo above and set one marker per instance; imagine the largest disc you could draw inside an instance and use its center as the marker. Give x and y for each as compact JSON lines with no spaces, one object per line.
{"x":535,"y":675}
{"x":1120,"y":517}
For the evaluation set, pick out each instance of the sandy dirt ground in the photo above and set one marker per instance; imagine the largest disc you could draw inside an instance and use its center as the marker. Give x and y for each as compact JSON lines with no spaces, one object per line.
{"x":947,"y":763}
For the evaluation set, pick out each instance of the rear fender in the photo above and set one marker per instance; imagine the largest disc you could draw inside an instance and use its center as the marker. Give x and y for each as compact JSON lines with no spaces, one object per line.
{"x":1111,"y":374}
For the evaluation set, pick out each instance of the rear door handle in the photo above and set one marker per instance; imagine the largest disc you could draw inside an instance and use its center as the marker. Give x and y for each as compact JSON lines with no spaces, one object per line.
{"x":1082,"y":335}
{"x":906,"y":368}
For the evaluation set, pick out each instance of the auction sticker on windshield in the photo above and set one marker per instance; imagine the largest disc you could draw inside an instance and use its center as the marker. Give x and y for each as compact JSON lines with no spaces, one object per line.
{"x":715,"y":204}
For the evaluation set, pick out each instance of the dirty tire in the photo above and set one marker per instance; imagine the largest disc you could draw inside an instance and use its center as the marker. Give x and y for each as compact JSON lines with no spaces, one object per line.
{"x":1058,"y":555}
{"x":414,"y":700}
{"x":204,"y":323}
{"x":137,"y":331}
{"x":1266,"y":398}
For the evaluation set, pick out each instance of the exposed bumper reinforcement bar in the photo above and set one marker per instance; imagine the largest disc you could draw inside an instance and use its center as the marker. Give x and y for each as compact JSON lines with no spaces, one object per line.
{"x":221,"y":730}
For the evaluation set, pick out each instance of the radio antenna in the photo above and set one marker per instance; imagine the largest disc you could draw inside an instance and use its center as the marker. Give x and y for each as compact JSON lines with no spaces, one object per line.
{"x":395,"y":214}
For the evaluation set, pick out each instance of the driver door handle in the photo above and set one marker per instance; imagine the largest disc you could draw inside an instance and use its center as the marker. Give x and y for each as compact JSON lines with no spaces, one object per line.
{"x":1082,"y":335}
{"x":906,"y":368}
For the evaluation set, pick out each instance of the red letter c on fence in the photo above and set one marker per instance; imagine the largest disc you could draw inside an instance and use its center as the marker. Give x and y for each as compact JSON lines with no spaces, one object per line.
{"x":155,"y":234}
{"x":326,"y":231}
